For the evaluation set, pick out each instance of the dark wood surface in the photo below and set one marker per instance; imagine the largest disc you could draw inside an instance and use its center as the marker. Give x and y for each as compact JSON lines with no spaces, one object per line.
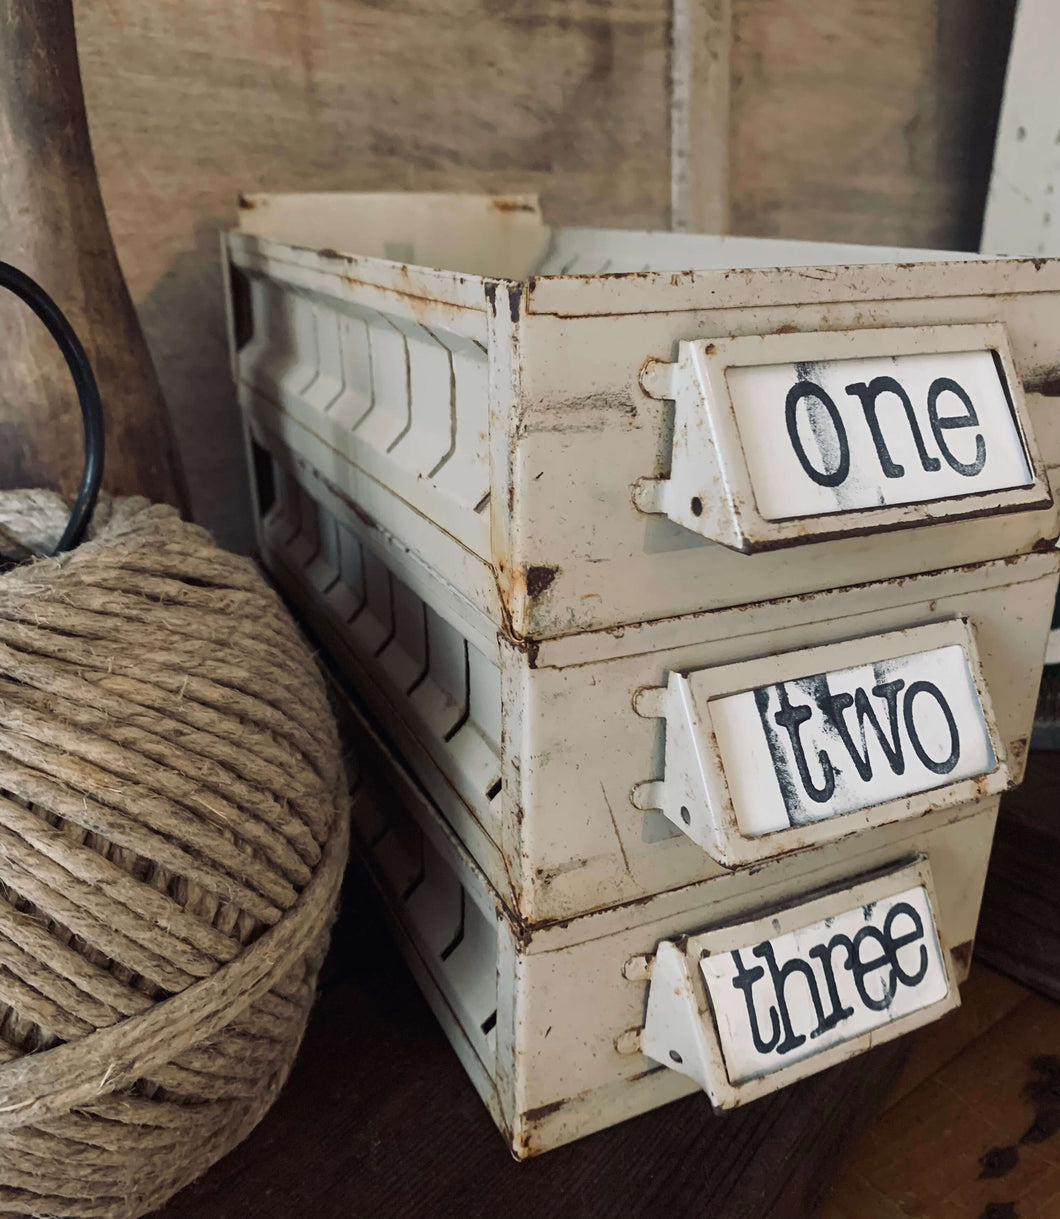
{"x":53,"y":227}
{"x":1019,"y":927}
{"x":379,"y":1120}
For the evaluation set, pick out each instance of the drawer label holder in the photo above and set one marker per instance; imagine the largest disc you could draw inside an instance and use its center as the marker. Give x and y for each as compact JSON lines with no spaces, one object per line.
{"x":748,"y":1009}
{"x":771,"y":755}
{"x":784,"y":439}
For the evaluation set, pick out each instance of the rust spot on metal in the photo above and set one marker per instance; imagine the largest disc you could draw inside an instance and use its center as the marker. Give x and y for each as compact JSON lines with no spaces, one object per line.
{"x":364,"y":517}
{"x":515,"y":294}
{"x":644,"y":1074}
{"x":532,"y":1116}
{"x":962,"y":954}
{"x":539,"y":579}
{"x":787,"y":328}
{"x":1018,"y":750}
{"x":328,"y":252}
{"x":246,"y":204}
{"x":512,"y":205}
{"x":490,"y":290}
{"x":1049,"y":387}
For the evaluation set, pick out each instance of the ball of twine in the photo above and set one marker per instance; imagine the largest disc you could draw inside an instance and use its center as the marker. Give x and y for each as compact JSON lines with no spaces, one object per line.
{"x":172,"y":837}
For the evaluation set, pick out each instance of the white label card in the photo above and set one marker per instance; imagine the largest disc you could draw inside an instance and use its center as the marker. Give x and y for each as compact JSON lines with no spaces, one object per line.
{"x":843,"y":435}
{"x":815,"y":747}
{"x":784,"y":999}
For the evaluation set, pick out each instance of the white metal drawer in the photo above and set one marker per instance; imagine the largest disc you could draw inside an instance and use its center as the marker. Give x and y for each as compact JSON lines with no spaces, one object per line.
{"x":499,"y":429}
{"x":786,"y":751}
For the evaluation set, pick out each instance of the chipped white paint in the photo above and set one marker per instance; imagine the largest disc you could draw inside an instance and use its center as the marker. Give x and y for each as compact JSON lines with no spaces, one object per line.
{"x":799,"y":989}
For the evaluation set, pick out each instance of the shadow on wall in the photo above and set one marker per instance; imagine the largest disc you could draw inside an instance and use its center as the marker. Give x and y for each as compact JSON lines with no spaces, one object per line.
{"x":183,"y":317}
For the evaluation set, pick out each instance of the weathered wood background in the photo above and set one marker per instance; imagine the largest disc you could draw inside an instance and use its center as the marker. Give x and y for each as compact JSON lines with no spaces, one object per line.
{"x":870,"y":120}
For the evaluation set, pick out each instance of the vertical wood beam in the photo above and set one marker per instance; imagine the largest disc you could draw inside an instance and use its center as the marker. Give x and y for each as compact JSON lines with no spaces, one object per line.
{"x":701,"y":34}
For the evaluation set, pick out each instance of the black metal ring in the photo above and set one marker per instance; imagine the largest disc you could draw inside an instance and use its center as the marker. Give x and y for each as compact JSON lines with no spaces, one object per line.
{"x":29,"y":291}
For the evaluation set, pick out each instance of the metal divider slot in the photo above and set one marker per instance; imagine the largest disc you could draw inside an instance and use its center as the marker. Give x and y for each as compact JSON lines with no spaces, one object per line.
{"x":373,"y":626}
{"x":367,"y":817}
{"x":303,"y":548}
{"x":463,"y":719}
{"x":388,"y":419}
{"x":454,"y":943}
{"x":281,"y":523}
{"x":399,"y":853}
{"x":435,"y":908}
{"x":463,"y":472}
{"x":349,"y":595}
{"x":323,"y":571}
{"x":427,"y":440}
{"x":264,"y":471}
{"x":471,"y":970}
{"x":345,"y":596}
{"x":287,"y":360}
{"x":355,"y":400}
{"x":475,"y":745}
{"x":405,"y":657}
{"x":441,"y":698}
{"x":328,"y":383}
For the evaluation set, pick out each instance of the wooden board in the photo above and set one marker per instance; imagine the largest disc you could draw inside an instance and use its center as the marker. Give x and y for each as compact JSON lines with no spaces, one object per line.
{"x":861,"y":121}
{"x":979,"y":1138}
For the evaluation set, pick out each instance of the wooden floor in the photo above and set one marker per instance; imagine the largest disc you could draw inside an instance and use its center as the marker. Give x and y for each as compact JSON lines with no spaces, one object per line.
{"x":971,"y":1130}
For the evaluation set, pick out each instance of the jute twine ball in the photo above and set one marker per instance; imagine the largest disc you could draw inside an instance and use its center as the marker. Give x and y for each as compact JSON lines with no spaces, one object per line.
{"x":172,"y":836}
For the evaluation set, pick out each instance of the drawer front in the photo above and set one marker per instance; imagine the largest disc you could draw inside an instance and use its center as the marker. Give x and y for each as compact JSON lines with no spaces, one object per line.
{"x":786,"y":439}
{"x":747,"y":1009}
{"x":787,"y":751}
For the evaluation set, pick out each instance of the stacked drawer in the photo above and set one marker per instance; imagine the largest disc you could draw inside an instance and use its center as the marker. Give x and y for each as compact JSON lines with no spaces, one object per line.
{"x":691,"y":622}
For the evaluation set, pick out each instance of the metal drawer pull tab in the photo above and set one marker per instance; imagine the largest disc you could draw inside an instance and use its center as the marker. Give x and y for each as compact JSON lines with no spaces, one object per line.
{"x":745,"y":1010}
{"x":784,"y":752}
{"x":790,"y":438}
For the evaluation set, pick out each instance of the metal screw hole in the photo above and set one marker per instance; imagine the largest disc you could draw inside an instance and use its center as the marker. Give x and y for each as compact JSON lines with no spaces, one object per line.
{"x":686,"y":816}
{"x":697,"y":506}
{"x":675,"y":1056}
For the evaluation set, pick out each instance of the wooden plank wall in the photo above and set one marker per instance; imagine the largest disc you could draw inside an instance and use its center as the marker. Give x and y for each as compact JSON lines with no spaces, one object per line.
{"x":869,"y":120}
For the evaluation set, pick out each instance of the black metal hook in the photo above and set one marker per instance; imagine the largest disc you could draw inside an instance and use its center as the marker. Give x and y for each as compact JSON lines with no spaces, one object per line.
{"x":29,"y":291}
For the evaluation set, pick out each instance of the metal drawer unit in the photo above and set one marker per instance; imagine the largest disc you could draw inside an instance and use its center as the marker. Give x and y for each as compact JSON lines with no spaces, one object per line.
{"x":694,"y":621}
{"x":570,"y":1027}
{"x":559,"y":765}
{"x":538,"y":421}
